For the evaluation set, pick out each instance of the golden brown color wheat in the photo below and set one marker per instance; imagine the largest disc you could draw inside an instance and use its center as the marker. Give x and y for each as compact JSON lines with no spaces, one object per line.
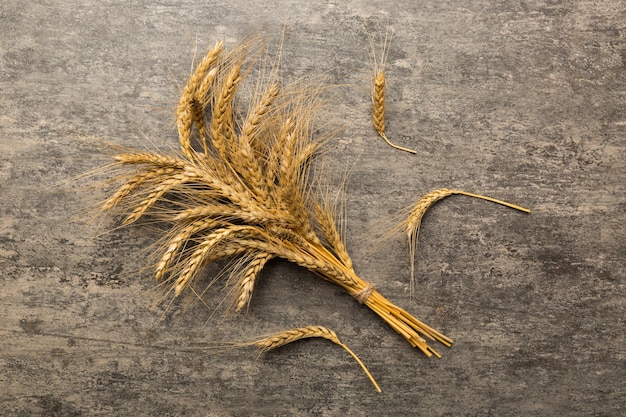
{"x":414,"y":220}
{"x":240,"y":188}
{"x":288,"y":336}
{"x":378,"y":94}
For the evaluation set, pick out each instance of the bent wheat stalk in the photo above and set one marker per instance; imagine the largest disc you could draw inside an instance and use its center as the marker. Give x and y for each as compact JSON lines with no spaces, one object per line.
{"x":414,"y":220}
{"x":244,"y":191}
{"x":289,"y":336}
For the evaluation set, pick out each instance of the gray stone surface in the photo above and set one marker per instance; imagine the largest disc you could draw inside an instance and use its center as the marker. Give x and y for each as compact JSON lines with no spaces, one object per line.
{"x":524,"y":101}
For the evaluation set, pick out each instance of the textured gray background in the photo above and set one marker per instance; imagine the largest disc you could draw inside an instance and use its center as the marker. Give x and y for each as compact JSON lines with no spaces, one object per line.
{"x":524,"y":101}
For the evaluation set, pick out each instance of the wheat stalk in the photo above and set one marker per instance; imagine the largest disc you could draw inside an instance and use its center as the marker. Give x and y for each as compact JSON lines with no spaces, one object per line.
{"x":378,"y":94}
{"x":289,"y":336}
{"x":414,"y":220}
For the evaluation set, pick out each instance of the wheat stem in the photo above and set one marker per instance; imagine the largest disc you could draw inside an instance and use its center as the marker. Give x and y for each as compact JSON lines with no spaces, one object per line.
{"x":493,"y":200}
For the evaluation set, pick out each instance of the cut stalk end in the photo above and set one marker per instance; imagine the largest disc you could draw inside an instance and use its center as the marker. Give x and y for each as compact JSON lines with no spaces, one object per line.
{"x":362,"y":365}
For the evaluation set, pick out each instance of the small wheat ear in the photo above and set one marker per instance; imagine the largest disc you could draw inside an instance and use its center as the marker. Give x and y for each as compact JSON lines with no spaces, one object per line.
{"x":414,"y":220}
{"x":288,"y":336}
{"x":378,"y":95}
{"x":378,"y":114}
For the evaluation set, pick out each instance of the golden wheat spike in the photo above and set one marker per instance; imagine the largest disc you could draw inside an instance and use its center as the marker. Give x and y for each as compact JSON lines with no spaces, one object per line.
{"x":289,"y":336}
{"x":187,"y":111}
{"x":378,"y":92}
{"x":222,"y":120}
{"x":245,"y":284}
{"x":414,"y":220}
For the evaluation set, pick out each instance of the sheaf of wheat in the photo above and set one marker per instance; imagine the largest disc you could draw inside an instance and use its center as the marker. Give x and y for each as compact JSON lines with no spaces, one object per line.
{"x":240,"y":187}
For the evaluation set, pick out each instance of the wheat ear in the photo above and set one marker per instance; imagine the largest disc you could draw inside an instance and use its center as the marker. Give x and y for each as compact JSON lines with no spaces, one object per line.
{"x":164,"y":186}
{"x":288,"y":336}
{"x":222,"y":123}
{"x":378,"y":113}
{"x":178,"y":240}
{"x":135,"y":182}
{"x":251,"y":164}
{"x":248,"y":279}
{"x":199,"y":256}
{"x":414,"y":220}
{"x":191,"y":101}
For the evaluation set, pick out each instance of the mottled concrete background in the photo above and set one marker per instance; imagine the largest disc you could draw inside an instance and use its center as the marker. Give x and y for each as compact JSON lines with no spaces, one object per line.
{"x":523,"y":101}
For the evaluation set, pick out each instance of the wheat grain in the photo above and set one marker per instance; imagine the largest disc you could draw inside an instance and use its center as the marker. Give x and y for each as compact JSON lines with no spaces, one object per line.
{"x":289,"y":336}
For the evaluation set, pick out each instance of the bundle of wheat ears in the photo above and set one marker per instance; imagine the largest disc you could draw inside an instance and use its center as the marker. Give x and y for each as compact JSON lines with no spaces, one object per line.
{"x":240,"y":188}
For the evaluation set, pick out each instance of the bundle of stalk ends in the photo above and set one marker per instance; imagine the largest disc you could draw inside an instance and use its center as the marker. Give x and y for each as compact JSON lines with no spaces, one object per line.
{"x":240,"y":189}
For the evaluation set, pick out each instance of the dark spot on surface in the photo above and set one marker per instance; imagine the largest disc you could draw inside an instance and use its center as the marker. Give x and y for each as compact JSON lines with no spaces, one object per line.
{"x":54,"y":407}
{"x":30,"y":325}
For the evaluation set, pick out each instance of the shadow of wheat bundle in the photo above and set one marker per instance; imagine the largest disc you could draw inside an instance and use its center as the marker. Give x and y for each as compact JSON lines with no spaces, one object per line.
{"x":240,"y":188}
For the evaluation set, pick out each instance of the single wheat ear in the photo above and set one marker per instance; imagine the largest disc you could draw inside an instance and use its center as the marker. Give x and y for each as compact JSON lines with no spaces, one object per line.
{"x":288,"y":336}
{"x":378,"y":114}
{"x":378,"y":92}
{"x":414,"y":220}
